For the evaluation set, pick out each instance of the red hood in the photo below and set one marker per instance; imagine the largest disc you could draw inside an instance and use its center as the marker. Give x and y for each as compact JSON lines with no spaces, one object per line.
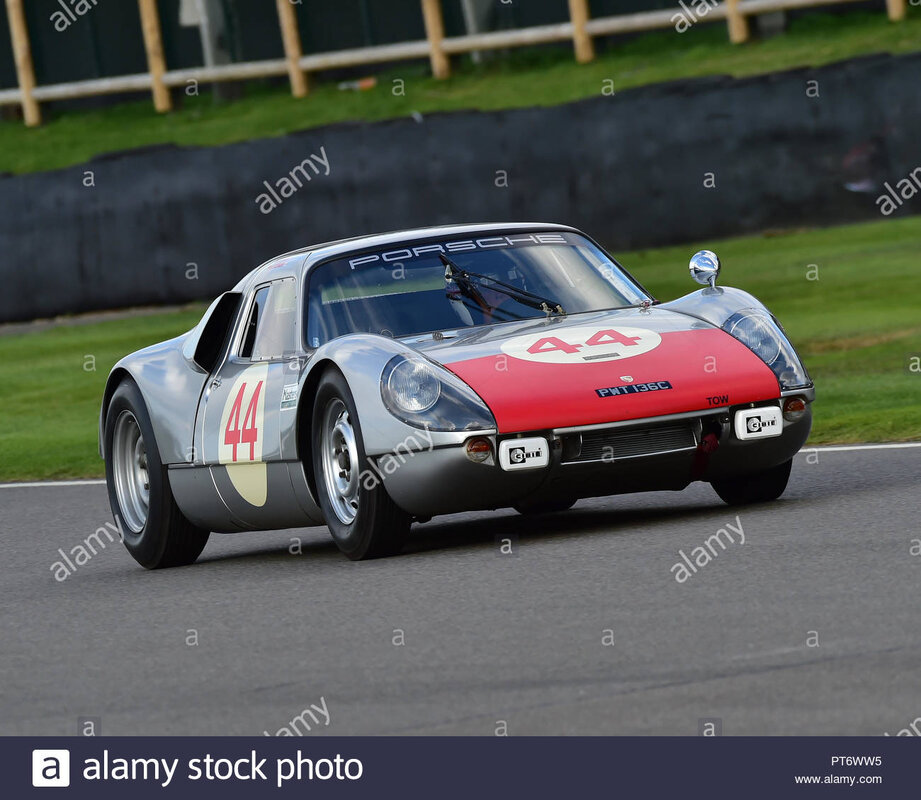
{"x":603,"y":367}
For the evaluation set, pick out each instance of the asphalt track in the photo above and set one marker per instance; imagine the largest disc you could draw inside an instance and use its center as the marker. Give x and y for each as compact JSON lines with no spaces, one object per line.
{"x":487,"y":636}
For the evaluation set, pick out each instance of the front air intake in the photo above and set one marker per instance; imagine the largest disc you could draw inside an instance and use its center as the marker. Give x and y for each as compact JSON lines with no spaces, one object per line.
{"x":613,"y":444}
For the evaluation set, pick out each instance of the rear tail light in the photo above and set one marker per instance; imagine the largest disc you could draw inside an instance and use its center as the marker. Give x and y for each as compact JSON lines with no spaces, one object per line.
{"x":793,"y":408}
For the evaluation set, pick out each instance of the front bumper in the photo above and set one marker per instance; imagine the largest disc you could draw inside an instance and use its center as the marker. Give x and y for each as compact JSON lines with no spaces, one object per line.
{"x":664,"y":453}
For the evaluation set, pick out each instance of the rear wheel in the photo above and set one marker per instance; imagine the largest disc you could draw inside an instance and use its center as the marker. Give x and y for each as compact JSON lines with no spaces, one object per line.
{"x":155,"y":531}
{"x":363,"y":520}
{"x":756,"y":487}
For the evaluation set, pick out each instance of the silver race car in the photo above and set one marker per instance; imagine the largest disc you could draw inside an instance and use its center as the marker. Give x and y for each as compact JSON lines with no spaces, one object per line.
{"x":367,"y":383}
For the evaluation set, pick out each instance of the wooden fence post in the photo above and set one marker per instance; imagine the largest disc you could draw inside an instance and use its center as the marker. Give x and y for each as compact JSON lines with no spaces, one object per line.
{"x":291,"y":37}
{"x":25,"y":70}
{"x":736,"y":22}
{"x":896,"y":9}
{"x":156,"y":63}
{"x":578,"y":15}
{"x":435,"y":32}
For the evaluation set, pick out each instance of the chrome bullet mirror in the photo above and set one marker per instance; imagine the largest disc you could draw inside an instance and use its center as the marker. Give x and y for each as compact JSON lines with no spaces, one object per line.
{"x":705,"y":267}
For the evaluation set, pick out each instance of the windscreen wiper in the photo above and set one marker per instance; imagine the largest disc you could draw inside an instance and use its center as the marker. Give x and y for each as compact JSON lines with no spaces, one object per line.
{"x":470,"y":281}
{"x":467,"y":288}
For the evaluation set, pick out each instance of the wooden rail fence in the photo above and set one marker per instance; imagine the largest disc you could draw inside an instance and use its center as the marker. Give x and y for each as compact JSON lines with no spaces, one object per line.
{"x":581,"y":30}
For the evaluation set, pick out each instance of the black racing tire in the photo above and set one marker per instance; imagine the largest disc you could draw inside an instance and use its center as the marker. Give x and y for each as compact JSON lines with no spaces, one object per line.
{"x":166,"y":538}
{"x":361,"y":516}
{"x":756,"y":487}
{"x":545,"y":507}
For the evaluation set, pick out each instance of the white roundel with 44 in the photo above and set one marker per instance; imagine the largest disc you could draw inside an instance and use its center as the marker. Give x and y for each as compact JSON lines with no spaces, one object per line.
{"x":582,"y":344}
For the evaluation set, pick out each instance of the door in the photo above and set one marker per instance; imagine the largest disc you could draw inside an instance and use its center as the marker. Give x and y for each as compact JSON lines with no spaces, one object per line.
{"x":247,"y":412}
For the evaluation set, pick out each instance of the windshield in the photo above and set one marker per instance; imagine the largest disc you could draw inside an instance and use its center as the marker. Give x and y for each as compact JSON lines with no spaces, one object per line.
{"x":410,"y":290}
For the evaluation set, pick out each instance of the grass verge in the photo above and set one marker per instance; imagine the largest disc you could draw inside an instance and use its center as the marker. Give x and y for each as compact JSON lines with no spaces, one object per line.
{"x":854,"y":317}
{"x":521,"y":78}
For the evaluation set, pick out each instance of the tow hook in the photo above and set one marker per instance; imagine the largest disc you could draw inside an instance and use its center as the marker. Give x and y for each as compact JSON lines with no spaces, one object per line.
{"x":709,"y":443}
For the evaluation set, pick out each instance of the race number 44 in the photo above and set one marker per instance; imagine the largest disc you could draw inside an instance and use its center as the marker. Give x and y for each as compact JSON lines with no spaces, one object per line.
{"x":582,"y":344}
{"x":241,"y":436}
{"x":236,"y":435}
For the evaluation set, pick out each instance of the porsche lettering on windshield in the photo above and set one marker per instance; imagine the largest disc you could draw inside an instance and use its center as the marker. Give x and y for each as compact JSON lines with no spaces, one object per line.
{"x":464,"y":246}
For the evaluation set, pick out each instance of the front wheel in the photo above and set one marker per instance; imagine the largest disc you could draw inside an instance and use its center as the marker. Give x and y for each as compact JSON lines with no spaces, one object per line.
{"x":362,"y":518}
{"x":153,"y":528}
{"x":756,"y":487}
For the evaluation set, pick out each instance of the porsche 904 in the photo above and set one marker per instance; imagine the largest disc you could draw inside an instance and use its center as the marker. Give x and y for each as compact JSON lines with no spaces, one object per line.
{"x":368,"y":383}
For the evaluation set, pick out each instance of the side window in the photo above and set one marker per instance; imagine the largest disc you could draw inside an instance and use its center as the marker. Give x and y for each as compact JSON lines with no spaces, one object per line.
{"x":252,"y":324}
{"x":269,"y":330}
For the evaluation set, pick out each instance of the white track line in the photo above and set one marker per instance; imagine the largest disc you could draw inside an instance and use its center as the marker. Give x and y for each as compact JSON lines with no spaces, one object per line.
{"x":846,"y":447}
{"x":841,"y":448}
{"x":50,"y":484}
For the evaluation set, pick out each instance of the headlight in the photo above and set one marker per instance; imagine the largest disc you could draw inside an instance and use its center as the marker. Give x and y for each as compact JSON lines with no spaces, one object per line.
{"x":413,"y":386}
{"x":758,"y":331}
{"x":420,"y":394}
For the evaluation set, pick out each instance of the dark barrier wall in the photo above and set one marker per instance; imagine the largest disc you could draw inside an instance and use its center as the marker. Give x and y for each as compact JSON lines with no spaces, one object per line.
{"x":684,"y":161}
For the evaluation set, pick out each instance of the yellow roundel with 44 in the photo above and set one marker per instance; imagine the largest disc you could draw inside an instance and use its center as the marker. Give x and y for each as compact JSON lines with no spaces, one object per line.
{"x":242,"y":433}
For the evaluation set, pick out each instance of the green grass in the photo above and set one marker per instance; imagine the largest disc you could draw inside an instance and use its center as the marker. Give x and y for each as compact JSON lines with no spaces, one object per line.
{"x":522,"y":78}
{"x":856,"y":327}
{"x":50,"y":393}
